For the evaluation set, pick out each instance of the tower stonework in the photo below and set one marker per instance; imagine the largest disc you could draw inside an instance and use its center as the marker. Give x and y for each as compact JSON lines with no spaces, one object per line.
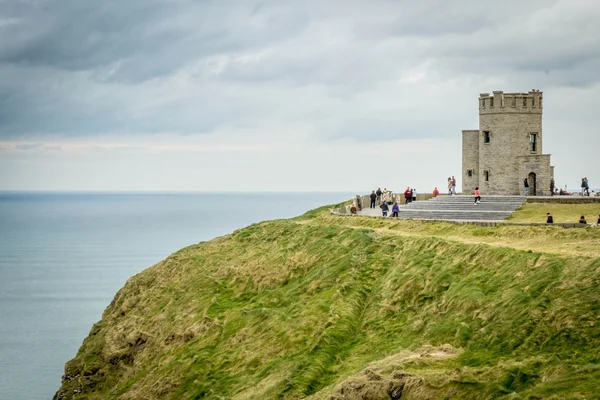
{"x":507,"y":148}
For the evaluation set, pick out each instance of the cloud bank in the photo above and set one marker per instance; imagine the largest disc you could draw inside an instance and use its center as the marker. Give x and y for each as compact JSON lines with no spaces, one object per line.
{"x":276,"y":77}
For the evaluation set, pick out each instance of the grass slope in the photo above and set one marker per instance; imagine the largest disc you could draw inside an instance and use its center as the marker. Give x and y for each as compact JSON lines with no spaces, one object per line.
{"x":565,"y":213}
{"x":327,"y":307}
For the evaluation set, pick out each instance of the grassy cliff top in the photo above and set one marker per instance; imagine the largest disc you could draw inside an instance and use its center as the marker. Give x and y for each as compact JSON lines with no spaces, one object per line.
{"x":328,"y":307}
{"x":567,"y":213}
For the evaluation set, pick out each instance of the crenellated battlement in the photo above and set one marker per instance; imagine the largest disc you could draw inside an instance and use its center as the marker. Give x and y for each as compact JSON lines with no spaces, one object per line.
{"x":500,"y":102}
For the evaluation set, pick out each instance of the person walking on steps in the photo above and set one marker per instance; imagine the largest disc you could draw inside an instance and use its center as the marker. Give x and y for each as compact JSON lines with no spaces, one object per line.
{"x":526,"y":185}
{"x":453,"y":186}
{"x":477,"y":196}
{"x":373,"y":198}
{"x":549,"y":219}
{"x":395,"y":210}
{"x":384,"y":208}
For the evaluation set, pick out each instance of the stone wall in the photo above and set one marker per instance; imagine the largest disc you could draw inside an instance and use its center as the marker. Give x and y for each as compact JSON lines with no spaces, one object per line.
{"x":539,"y":165}
{"x":509,"y":118}
{"x":395,"y":197}
{"x":470,"y":160}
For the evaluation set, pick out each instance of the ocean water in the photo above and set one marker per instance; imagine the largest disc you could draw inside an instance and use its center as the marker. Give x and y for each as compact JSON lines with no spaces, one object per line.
{"x":63,"y":256}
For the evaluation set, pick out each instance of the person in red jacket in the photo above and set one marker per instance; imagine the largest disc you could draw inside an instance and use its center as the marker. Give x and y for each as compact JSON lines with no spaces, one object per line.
{"x":407,"y":196}
{"x":477,"y":196}
{"x":436,"y":192}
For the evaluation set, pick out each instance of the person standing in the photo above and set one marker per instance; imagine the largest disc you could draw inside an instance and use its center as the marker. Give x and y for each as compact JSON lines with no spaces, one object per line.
{"x":449,"y":186}
{"x":414,"y":194}
{"x":395,"y":210}
{"x":586,"y":187}
{"x":453,"y":186}
{"x":477,"y":196}
{"x":379,"y":193}
{"x":552,"y":185}
{"x":384,"y":208}
{"x":373,"y":198}
{"x":526,"y":185}
{"x":407,"y":196}
{"x":549,"y":219}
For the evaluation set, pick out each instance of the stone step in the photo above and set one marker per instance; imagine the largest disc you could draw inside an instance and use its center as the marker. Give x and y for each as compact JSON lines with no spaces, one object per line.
{"x":500,"y":199}
{"x":434,"y":206}
{"x":460,"y":216}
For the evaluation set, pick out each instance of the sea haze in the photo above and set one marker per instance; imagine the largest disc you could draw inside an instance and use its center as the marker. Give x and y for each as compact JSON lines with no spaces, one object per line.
{"x":63,"y":256}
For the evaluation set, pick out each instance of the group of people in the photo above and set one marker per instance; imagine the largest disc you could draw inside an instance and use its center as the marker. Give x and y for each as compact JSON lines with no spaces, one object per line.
{"x":410,"y":195}
{"x":385,"y":208}
{"x":582,"y":220}
{"x":384,"y":199}
{"x":585,"y":189}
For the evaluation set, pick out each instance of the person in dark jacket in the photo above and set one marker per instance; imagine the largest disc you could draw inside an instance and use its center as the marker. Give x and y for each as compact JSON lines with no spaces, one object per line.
{"x":582,"y":220}
{"x":384,"y":208}
{"x":585,"y":186}
{"x":379,"y":193}
{"x":395,"y":210}
{"x":549,"y":219}
{"x":526,"y":185}
{"x":373,"y":198}
{"x":552,"y":185}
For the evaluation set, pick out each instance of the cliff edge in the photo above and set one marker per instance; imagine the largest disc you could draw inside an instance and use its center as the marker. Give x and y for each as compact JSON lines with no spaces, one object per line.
{"x":327,"y":307}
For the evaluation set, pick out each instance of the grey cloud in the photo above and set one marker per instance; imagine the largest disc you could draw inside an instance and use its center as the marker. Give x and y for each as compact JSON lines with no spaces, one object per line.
{"x":82,"y":67}
{"x":28,"y":146}
{"x":142,"y":39}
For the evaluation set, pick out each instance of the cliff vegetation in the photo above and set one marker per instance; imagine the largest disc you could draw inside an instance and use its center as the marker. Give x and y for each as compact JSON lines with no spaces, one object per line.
{"x":328,"y":307}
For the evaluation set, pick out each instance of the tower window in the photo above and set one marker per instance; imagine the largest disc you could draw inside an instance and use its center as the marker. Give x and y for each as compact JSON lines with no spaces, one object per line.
{"x":524,"y":101}
{"x":486,"y":176}
{"x":470,"y":173}
{"x":491,"y":102}
{"x":486,"y":136}
{"x":533,"y":142}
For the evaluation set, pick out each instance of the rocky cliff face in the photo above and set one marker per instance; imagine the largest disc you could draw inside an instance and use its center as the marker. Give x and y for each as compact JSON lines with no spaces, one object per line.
{"x":342,"y":308}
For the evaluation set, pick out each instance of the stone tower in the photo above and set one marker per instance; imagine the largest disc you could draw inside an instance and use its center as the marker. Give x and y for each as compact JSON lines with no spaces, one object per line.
{"x":507,"y":148}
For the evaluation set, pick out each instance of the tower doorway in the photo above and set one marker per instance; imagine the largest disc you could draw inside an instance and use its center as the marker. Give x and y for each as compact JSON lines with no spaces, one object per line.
{"x":532,"y":183}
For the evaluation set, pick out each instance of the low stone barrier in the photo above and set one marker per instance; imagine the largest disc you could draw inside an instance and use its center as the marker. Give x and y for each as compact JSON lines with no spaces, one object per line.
{"x":564,"y":199}
{"x":482,"y":223}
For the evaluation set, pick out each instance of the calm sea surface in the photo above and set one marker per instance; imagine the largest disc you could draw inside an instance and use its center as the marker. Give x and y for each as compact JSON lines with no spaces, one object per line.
{"x":64,"y":256}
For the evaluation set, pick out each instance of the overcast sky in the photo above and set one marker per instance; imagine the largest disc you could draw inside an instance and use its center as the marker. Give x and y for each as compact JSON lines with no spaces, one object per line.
{"x":186,"y":95}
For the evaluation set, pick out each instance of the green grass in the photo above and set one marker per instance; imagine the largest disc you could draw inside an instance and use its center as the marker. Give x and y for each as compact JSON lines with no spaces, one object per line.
{"x":317,"y":305}
{"x":564,"y":213}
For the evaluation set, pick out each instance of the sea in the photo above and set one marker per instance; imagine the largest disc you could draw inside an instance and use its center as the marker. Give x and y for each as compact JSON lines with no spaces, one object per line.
{"x":63,"y":257}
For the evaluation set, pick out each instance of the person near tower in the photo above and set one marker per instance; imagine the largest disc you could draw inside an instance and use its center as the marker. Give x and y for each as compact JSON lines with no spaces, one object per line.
{"x":477,"y":196}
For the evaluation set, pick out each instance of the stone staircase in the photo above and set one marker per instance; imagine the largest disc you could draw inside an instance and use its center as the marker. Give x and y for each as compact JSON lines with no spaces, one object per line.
{"x":491,"y":208}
